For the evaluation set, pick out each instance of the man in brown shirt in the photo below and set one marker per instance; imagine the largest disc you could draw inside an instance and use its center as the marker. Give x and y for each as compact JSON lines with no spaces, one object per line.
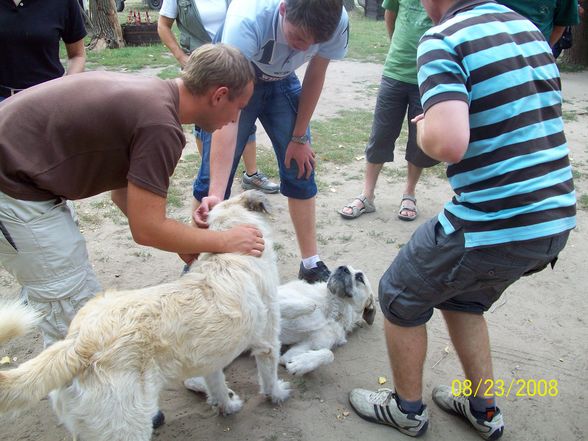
{"x":79,"y":136}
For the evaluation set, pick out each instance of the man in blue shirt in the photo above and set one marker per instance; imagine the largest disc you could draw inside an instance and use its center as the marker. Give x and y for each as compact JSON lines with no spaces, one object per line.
{"x":278,"y":36}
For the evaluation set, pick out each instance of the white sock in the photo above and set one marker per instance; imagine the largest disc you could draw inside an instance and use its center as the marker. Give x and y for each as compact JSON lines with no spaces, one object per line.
{"x":310,"y":262}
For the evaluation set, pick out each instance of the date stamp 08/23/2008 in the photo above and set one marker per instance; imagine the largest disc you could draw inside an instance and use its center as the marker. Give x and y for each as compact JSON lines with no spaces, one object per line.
{"x":519,"y":387}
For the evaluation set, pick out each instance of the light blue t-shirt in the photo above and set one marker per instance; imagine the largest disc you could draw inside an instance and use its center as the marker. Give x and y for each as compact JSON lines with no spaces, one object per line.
{"x":255,"y":27}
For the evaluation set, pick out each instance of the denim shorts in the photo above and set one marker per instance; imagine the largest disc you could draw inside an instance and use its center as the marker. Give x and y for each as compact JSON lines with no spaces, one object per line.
{"x":435,"y":270}
{"x":395,"y":98}
{"x":275,"y":104}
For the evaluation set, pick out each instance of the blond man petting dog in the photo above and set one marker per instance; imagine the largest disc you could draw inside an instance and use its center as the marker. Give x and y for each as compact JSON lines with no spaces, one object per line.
{"x":79,"y":136}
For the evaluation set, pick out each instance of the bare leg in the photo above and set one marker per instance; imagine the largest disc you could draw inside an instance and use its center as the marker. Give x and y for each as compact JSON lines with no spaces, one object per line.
{"x":407,"y":349}
{"x":469,"y":335}
{"x":249,"y":158}
{"x":303,"y":215}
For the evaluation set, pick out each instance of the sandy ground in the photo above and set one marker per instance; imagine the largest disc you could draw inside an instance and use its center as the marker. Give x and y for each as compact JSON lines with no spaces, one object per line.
{"x":538,"y":328}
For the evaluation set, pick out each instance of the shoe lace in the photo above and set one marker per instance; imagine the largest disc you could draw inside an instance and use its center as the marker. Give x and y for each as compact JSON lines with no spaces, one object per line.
{"x":261,"y":176}
{"x":382,"y":396}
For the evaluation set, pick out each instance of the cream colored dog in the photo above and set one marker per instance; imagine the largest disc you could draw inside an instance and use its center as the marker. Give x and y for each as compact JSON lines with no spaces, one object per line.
{"x":316,"y":318}
{"x":123,"y":347}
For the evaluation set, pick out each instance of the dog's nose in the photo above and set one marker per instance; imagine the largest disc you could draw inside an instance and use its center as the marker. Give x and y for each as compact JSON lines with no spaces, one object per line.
{"x":343,"y":269}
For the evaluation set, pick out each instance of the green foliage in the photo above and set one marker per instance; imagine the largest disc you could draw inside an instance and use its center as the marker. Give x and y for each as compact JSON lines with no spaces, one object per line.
{"x":368,"y":39}
{"x":342,"y":138}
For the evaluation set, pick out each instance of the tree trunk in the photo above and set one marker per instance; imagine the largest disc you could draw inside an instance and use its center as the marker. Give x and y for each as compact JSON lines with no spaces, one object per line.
{"x":349,"y":5}
{"x":578,"y":53}
{"x":105,"y":27}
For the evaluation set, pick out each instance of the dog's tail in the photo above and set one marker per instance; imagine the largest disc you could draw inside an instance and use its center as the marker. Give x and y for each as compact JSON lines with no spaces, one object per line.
{"x":56,"y":366}
{"x":16,"y":319}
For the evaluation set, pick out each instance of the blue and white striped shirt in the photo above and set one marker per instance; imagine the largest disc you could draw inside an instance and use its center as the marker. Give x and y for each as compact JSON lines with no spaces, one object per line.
{"x":515,"y":181}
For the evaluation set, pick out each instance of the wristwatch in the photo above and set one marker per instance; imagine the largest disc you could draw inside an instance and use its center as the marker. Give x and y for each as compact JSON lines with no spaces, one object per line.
{"x":300,"y":139}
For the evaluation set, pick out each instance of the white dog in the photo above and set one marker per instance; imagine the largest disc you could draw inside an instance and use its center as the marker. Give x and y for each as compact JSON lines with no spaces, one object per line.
{"x":123,"y":347}
{"x":315,"y":318}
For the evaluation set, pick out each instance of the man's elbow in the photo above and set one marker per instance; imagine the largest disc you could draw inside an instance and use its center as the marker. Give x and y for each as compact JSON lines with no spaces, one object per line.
{"x":446,"y":150}
{"x":141,"y":235}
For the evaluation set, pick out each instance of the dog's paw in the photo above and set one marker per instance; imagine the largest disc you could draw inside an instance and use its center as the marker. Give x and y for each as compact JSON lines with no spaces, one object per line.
{"x":197,"y":385}
{"x":280,"y":391}
{"x":233,"y":405}
{"x":298,"y":368}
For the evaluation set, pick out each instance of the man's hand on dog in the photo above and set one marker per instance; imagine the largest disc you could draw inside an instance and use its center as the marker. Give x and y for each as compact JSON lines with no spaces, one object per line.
{"x":200,"y":215}
{"x":245,"y":239}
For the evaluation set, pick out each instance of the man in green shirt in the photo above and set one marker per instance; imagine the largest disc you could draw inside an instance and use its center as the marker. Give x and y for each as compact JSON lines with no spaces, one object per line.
{"x":550,"y":16}
{"x":406,"y":21}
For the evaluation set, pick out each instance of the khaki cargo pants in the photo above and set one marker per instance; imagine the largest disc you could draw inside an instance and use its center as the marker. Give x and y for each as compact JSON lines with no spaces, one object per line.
{"x":41,"y":246}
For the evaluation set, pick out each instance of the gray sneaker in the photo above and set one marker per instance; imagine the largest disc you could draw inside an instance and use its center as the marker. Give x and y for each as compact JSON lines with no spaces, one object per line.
{"x":382,"y":407}
{"x":460,"y":405}
{"x":260,"y":182}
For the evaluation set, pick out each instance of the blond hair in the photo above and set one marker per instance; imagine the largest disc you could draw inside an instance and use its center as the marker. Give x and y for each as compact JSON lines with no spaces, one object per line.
{"x":216,"y":65}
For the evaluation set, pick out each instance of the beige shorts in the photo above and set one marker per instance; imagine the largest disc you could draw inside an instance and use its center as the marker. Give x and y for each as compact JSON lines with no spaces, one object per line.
{"x":42,"y":247}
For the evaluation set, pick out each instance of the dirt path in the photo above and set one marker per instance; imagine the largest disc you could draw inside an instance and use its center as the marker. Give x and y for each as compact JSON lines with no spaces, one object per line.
{"x":538,"y":328}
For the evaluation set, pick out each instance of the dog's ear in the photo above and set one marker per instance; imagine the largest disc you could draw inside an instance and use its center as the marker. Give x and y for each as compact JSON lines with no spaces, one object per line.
{"x":369,"y":313}
{"x":256,"y":201}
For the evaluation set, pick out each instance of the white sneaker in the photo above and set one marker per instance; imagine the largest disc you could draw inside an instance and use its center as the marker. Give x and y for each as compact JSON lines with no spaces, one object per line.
{"x":382,"y":407}
{"x":259,"y":181}
{"x":460,"y":405}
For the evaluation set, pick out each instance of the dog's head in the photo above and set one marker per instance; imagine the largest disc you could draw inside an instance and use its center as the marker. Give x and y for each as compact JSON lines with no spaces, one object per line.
{"x":354,"y":286}
{"x":241,"y":209}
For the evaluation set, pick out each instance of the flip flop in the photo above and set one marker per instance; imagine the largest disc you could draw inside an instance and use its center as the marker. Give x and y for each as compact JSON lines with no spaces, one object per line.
{"x":368,"y":207}
{"x":404,"y":207}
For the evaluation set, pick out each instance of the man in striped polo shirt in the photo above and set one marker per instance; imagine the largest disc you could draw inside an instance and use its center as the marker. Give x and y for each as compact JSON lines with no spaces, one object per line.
{"x":487,"y":73}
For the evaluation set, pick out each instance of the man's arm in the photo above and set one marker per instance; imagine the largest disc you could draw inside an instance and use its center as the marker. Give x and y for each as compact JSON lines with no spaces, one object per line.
{"x":556,"y":34}
{"x":390,"y":20}
{"x":76,"y":57}
{"x":443,"y":132}
{"x":312,"y":86}
{"x":164,"y":29}
{"x":150,"y":226}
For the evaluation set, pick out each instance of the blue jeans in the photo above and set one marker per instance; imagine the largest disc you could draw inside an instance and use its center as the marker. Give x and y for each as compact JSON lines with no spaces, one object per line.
{"x":275,"y":104}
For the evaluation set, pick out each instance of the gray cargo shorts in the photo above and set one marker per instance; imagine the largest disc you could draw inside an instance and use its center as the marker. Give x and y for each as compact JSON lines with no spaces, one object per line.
{"x":435,"y":270}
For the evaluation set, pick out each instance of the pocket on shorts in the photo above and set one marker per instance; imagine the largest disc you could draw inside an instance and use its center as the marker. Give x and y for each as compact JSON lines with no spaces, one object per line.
{"x":485,"y":268}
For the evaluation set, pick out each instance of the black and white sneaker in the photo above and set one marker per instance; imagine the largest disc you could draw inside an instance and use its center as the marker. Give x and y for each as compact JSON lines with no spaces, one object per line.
{"x":158,"y":419}
{"x":320,"y":273}
{"x":490,"y":428}
{"x":382,"y":407}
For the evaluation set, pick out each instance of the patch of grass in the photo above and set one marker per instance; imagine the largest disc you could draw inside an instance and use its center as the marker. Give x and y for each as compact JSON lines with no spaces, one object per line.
{"x":175,"y":196}
{"x":169,"y":73}
{"x":438,"y":171}
{"x":569,"y":115}
{"x":300,"y":384}
{"x":131,"y":58}
{"x":266,"y":162}
{"x":368,"y":39}
{"x":568,"y":67}
{"x":342,"y":138}
{"x":583,"y":202}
